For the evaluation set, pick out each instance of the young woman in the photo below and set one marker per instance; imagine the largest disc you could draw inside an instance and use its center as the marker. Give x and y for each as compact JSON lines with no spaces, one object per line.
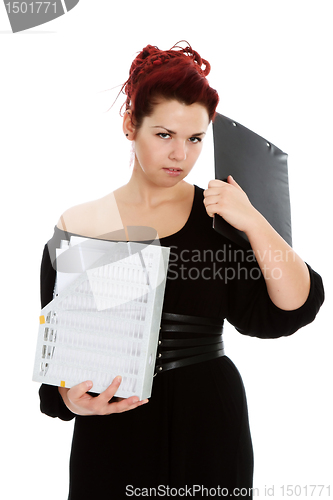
{"x":193,"y":435}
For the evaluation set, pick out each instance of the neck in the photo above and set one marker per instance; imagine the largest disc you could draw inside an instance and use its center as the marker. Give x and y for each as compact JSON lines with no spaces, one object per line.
{"x":144,"y":192}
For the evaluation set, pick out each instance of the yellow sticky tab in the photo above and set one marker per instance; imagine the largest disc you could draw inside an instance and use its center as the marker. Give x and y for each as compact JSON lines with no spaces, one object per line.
{"x":62,"y":383}
{"x":41,"y":320}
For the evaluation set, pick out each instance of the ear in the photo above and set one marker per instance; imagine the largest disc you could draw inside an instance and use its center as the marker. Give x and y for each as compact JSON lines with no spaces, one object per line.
{"x":128,"y":127}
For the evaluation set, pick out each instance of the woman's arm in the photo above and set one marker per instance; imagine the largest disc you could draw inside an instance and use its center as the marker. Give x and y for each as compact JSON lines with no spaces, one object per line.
{"x":286,"y":275}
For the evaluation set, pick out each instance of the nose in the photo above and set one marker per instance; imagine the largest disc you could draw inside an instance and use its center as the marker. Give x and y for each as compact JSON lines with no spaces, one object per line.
{"x":178,"y":152}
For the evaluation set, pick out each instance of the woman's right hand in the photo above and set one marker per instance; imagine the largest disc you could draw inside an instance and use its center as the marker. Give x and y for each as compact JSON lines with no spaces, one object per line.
{"x":79,"y":402}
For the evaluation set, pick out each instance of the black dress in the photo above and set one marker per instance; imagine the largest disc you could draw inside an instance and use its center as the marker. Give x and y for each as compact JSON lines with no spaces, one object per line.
{"x":194,"y":430}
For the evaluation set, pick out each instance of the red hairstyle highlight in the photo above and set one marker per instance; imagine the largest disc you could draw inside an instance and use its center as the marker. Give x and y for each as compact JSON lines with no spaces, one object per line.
{"x":172,"y":74}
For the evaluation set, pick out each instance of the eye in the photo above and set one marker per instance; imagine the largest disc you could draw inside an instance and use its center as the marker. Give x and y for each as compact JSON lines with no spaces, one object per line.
{"x":163,"y":135}
{"x":195,"y":140}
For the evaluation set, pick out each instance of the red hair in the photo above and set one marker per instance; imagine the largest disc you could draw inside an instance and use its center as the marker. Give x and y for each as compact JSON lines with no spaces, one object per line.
{"x":172,"y":74}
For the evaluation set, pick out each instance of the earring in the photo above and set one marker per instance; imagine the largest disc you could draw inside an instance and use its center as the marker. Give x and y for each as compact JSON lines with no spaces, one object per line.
{"x":126,"y":135}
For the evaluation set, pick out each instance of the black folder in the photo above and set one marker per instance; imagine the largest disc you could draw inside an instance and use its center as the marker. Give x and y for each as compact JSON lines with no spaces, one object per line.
{"x":260,"y":168}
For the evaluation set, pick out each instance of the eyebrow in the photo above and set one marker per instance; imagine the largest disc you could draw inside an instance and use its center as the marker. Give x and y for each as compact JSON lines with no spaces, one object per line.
{"x":175,"y":133}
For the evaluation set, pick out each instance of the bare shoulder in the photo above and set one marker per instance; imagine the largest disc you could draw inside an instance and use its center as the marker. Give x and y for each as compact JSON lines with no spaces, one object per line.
{"x":77,"y":219}
{"x":92,"y":218}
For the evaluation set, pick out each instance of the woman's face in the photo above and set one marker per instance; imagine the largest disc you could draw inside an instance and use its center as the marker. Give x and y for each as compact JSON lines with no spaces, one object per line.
{"x":169,"y":141}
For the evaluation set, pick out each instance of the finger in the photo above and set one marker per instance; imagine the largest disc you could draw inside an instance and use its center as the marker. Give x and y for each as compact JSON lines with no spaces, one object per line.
{"x":210,"y":211}
{"x":210,"y":208}
{"x":211,"y":205}
{"x":77,"y":391}
{"x":217,"y":190}
{"x":232,"y":181}
{"x":208,"y":193}
{"x":127,"y":404}
{"x":215,"y":183}
{"x":108,"y":394}
{"x":212,"y":200}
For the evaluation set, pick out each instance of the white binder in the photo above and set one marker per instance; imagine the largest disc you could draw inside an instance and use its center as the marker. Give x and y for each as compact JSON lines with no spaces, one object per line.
{"x":105,"y":317}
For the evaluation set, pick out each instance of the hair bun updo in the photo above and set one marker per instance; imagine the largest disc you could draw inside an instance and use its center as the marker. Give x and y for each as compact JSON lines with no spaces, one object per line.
{"x":179,"y":73}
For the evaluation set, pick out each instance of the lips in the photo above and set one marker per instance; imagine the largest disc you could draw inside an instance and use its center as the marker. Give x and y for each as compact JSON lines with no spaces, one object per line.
{"x":172,"y":172}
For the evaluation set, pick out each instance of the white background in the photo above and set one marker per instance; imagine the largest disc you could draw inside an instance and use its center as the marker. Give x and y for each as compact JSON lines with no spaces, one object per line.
{"x":272,"y":66}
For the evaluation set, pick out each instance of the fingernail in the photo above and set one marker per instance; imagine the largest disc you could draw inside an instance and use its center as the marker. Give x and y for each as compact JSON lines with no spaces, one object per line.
{"x":118,"y":379}
{"x":89,"y":384}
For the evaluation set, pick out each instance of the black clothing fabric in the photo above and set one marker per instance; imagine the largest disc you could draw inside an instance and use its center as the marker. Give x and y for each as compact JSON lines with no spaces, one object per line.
{"x":195,"y":429}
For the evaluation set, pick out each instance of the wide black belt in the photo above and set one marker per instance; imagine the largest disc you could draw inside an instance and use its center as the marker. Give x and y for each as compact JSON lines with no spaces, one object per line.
{"x":185,"y":340}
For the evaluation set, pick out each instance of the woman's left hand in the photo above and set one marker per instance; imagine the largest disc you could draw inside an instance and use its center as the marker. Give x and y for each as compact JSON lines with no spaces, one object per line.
{"x":231,"y":202}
